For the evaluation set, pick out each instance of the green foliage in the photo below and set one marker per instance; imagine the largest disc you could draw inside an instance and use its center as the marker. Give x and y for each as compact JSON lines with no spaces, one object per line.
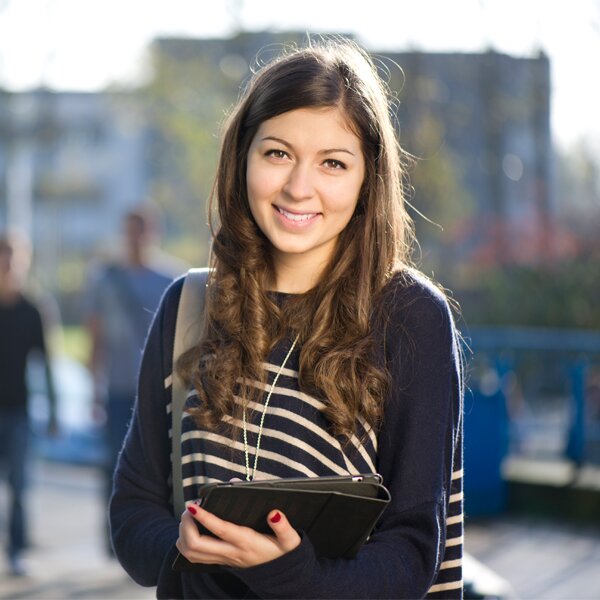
{"x":76,"y":343}
{"x":564,"y":295}
{"x":441,"y":202}
{"x":185,"y":102}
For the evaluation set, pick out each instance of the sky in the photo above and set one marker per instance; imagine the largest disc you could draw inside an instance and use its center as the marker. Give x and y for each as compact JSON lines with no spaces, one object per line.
{"x":88,"y":44}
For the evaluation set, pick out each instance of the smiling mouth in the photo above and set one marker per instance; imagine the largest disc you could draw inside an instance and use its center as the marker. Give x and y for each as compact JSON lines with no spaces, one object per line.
{"x":297,"y":217}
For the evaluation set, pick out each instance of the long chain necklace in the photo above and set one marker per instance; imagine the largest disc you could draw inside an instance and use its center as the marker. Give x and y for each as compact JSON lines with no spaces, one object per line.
{"x":250,"y":475}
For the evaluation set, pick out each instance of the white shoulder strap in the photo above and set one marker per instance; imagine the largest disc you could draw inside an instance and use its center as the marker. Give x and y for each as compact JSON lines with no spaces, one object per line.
{"x":188,"y":331}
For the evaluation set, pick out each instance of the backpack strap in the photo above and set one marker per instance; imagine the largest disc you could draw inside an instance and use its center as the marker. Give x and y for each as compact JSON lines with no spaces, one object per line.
{"x":188,"y":331}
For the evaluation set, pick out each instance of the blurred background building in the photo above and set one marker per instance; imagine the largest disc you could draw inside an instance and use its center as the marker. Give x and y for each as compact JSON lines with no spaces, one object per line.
{"x":70,"y":164}
{"x":478,"y":125}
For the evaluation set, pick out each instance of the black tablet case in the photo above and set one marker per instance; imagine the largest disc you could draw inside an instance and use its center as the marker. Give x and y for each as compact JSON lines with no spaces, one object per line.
{"x":336,"y":513}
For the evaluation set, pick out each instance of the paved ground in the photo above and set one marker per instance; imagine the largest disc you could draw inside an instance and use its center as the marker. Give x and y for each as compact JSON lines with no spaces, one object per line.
{"x":539,"y":559}
{"x":67,"y":559}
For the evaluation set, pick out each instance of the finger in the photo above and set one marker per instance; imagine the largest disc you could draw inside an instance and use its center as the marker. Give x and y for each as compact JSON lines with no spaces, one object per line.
{"x":188,"y":531}
{"x":287,"y":536}
{"x":208,"y":549}
{"x":224,"y":530}
{"x":191,"y":510}
{"x":198,"y":547}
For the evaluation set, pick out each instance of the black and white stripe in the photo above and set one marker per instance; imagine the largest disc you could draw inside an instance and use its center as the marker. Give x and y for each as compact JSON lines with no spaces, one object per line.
{"x":449,"y":582}
{"x":295,"y":439}
{"x":296,"y":442}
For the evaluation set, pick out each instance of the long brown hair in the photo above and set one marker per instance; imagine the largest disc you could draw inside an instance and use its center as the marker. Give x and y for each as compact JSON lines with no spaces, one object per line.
{"x":333,"y":319}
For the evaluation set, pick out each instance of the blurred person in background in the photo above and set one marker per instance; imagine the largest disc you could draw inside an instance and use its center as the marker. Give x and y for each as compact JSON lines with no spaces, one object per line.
{"x":121,"y":298}
{"x":21,"y":336}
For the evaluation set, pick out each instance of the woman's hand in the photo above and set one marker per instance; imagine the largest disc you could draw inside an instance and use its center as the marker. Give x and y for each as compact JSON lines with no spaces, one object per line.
{"x":235,"y":546}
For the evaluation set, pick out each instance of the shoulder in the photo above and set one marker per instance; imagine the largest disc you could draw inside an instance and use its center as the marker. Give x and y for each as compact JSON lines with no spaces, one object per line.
{"x":412,"y":300}
{"x":27,"y":305}
{"x":171,"y":296}
{"x":26,"y":315}
{"x":158,"y":349}
{"x":414,"y":319}
{"x":100,"y":273}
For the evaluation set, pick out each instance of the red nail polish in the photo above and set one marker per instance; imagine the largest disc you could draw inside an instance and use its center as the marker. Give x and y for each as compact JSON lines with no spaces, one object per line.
{"x":192,"y":509}
{"x":276,"y":518}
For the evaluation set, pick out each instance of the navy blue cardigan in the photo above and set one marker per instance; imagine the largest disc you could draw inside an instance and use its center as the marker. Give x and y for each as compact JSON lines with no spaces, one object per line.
{"x":416,"y":548}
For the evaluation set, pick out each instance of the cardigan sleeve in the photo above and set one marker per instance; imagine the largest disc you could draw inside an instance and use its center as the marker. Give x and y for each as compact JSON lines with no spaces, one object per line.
{"x":416,"y":447}
{"x":143,"y":527}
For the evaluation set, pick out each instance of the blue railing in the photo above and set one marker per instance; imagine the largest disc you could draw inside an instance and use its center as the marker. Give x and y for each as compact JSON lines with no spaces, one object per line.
{"x":574,"y":354}
{"x":534,"y":393}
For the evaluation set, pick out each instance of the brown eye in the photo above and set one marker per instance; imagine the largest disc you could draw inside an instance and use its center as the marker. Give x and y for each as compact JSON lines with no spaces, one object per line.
{"x":276,"y":153}
{"x":334,"y":164}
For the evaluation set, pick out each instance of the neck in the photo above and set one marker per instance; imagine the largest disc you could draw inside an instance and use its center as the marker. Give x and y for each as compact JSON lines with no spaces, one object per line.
{"x":296,"y":276}
{"x":136,"y":257}
{"x":8,"y":291}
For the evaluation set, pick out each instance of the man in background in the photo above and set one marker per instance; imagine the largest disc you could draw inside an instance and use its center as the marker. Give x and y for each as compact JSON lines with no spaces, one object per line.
{"x":21,"y":336}
{"x":122,"y":297}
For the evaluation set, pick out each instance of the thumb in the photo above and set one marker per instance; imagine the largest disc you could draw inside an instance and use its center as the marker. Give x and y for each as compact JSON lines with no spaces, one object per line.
{"x":287,"y":536}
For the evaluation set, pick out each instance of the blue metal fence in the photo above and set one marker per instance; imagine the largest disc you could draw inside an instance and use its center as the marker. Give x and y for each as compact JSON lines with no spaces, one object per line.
{"x":532,"y":393}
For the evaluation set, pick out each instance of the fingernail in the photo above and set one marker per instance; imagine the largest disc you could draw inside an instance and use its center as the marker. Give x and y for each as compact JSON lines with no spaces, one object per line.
{"x":276,"y":518}
{"x":192,"y":509}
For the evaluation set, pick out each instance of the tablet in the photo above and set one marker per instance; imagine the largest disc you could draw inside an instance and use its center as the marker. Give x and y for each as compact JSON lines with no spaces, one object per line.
{"x":337,"y":513}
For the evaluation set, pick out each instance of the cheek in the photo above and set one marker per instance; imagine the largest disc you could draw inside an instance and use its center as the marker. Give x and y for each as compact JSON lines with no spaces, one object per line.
{"x":259,"y":185}
{"x":344,"y":199}
{"x":258,"y":198}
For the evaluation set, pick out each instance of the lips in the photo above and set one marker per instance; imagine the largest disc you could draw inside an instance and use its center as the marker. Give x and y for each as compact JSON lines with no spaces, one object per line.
{"x":296,"y":217}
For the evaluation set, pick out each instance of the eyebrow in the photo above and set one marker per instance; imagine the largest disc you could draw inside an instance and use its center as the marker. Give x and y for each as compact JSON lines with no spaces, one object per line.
{"x":288,"y":145}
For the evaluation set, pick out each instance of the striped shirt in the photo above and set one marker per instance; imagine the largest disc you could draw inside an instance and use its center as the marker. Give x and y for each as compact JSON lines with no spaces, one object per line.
{"x":416,"y":548}
{"x":295,"y":440}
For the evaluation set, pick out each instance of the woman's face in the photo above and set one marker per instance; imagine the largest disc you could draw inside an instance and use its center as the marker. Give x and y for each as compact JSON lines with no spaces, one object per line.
{"x":305,"y":171}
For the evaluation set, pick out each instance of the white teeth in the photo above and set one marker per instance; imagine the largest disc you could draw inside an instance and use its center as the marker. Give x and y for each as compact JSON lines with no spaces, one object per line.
{"x":294,"y":217}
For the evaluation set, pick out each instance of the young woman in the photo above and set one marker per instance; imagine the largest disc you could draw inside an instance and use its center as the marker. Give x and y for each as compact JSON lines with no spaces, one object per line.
{"x":324,"y":353}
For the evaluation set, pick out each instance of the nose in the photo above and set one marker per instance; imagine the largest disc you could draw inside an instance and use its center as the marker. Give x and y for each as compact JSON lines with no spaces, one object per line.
{"x":299,"y":184}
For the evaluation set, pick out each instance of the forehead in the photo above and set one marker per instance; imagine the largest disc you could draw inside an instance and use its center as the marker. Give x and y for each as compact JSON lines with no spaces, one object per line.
{"x":317,"y":126}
